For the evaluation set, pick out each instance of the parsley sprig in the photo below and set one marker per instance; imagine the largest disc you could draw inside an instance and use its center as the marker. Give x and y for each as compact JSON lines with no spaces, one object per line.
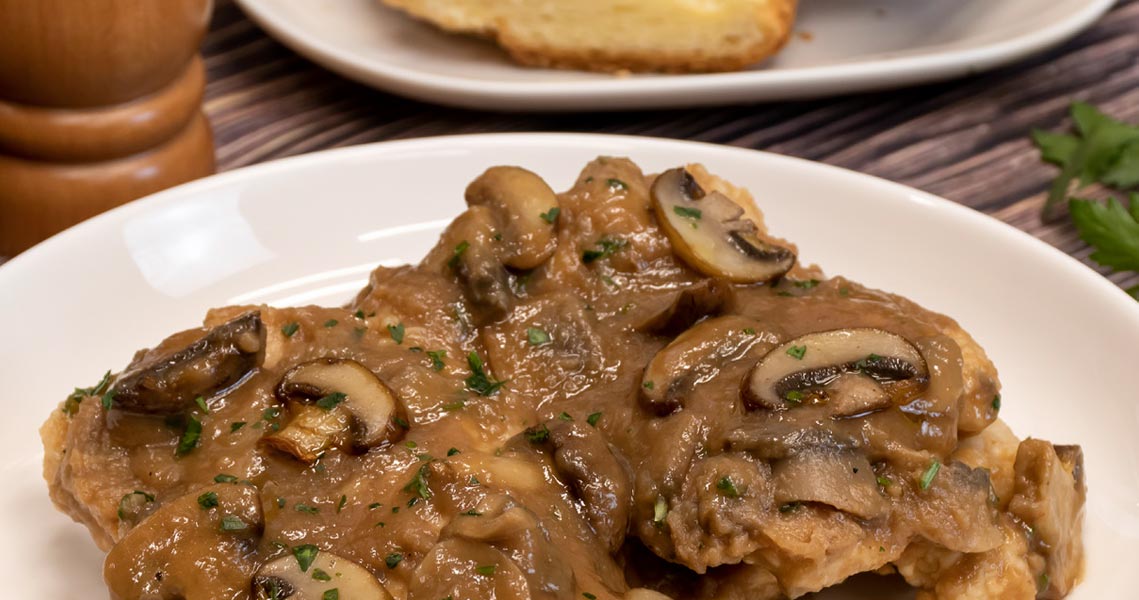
{"x":1105,"y":151}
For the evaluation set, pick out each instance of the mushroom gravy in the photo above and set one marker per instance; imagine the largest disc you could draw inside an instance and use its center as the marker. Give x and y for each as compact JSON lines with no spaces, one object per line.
{"x":627,"y":390}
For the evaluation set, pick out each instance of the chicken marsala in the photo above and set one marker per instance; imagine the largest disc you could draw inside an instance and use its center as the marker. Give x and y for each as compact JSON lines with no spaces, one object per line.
{"x":627,"y":390}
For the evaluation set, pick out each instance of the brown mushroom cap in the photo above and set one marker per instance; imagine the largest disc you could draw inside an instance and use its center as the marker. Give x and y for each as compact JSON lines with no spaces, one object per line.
{"x":378,"y":416}
{"x":812,"y":362}
{"x":167,"y":384}
{"x":283,"y":578}
{"x":830,"y":475}
{"x":712,"y":234}
{"x":518,"y":200}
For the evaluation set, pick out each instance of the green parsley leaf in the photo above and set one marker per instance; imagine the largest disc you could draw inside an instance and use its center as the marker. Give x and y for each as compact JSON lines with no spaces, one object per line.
{"x":793,"y":396}
{"x":1111,"y":229}
{"x":807,"y":284}
{"x":437,"y":357}
{"x":486,"y":570}
{"x":551,"y":215}
{"x":321,"y":575}
{"x":648,"y":385}
{"x":606,"y":247}
{"x":884,"y":481}
{"x":453,"y":451}
{"x":688,"y":213}
{"x":233,"y":427}
{"x":208,"y":500}
{"x":537,"y":434}
{"x":304,"y":508}
{"x":588,"y":596}
{"x":396,"y":332}
{"x":593,"y":419}
{"x":131,"y":504}
{"x":224,"y":478}
{"x":797,"y":352}
{"x":330,"y":401}
{"x":727,"y":488}
{"x":393,"y":560}
{"x":343,"y":501}
{"x":479,"y":382}
{"x":233,"y":523}
{"x":457,"y":254}
{"x":930,"y":473}
{"x":333,"y":594}
{"x":305,"y":554}
{"x":108,"y":400}
{"x":289,"y":329}
{"x":190,"y":436}
{"x":997,"y":402}
{"x":201,"y":402}
{"x":456,"y":405}
{"x":331,"y":323}
{"x":537,"y":337}
{"x":565,"y":416}
{"x":418,"y":484}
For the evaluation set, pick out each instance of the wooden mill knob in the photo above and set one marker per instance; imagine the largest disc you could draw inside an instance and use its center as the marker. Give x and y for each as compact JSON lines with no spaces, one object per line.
{"x":100,"y":103}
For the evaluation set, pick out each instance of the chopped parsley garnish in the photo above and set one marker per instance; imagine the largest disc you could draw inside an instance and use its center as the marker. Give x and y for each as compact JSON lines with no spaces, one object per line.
{"x":108,"y":400}
{"x":281,"y":502}
{"x":458,"y":253}
{"x":537,"y":337}
{"x":401,"y":422}
{"x":330,"y":401}
{"x":374,"y":505}
{"x":479,"y":382}
{"x":485,"y":570}
{"x":605,"y":248}
{"x":437,"y":357}
{"x":1042,"y":582}
{"x":396,"y":332}
{"x":551,"y":215}
{"x":456,"y":405}
{"x":190,"y":436}
{"x":418,"y":484}
{"x":616,"y":183}
{"x":593,"y":419}
{"x":208,"y":500}
{"x":884,"y":481}
{"x":727,"y":488}
{"x":538,"y":434}
{"x":233,"y":523}
{"x":304,"y":508}
{"x":789,"y":507}
{"x":201,"y":402}
{"x":331,"y":323}
{"x":648,"y":385}
{"x":807,"y":283}
{"x":224,"y":478}
{"x":131,"y":503}
{"x":565,"y":416}
{"x":797,"y":352}
{"x":343,"y":501}
{"x":749,"y":331}
{"x":471,"y":513}
{"x":305,"y":554}
{"x":588,"y":596}
{"x":289,"y":329}
{"x":452,"y":451}
{"x":333,"y":594}
{"x":688,"y":213}
{"x":793,"y":396}
{"x":321,"y":575}
{"x":393,"y":560}
{"x":660,"y":510}
{"x":930,"y":473}
{"x":997,"y":402}
{"x":71,"y":406}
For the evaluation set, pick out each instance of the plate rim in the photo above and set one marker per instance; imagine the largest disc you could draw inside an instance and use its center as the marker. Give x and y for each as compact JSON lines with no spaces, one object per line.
{"x":181,"y":193}
{"x":660,"y":91}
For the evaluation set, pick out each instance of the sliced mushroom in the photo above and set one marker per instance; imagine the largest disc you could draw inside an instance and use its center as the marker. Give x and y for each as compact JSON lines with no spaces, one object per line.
{"x":712,"y":234}
{"x":811,"y":367}
{"x":525,"y":209}
{"x":283,"y":578}
{"x":953,"y":507}
{"x":475,"y":262}
{"x":841,"y":478}
{"x":694,"y":357}
{"x":196,"y":547}
{"x":168,"y":383}
{"x":378,"y":417}
{"x":679,"y":310}
{"x":310,"y":432}
{"x":597,"y":477}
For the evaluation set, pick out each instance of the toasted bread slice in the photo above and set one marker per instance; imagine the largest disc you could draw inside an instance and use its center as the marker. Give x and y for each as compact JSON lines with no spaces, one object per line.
{"x":615,"y":35}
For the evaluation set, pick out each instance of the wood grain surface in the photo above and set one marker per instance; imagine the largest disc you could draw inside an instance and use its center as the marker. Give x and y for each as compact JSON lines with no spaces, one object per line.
{"x":966,"y":140}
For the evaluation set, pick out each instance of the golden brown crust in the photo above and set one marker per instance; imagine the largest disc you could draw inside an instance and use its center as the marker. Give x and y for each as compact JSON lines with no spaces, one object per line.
{"x":774,"y":19}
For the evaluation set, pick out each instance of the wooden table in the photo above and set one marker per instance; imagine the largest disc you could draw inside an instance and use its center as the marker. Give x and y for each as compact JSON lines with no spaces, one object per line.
{"x":966,"y":140}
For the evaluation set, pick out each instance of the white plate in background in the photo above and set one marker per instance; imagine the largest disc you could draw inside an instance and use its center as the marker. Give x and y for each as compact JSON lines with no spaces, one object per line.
{"x":308,"y":230}
{"x":849,"y":46}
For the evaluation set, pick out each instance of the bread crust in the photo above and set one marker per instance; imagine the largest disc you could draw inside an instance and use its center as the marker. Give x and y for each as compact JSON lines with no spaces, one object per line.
{"x":775,"y":19}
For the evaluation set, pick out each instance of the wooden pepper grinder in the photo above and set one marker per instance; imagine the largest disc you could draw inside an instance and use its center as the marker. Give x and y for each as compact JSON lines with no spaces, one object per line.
{"x":100,"y":103}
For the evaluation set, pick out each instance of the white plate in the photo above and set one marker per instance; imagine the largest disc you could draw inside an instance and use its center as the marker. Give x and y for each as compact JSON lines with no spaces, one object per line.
{"x":854,"y":45}
{"x":308,"y":229}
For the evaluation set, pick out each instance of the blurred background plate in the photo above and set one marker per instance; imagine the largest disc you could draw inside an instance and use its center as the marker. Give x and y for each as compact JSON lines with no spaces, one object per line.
{"x":839,"y":47}
{"x":309,"y":229}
